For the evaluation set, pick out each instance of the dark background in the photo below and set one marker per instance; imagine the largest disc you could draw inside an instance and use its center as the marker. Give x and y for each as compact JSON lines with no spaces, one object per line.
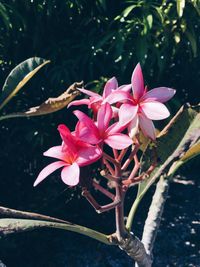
{"x":92,"y":41}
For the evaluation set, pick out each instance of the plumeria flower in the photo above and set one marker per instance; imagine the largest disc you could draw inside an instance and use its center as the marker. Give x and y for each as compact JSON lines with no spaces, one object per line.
{"x":141,"y":107}
{"x":100,"y":132}
{"x":72,"y":154}
{"x":95,"y":100}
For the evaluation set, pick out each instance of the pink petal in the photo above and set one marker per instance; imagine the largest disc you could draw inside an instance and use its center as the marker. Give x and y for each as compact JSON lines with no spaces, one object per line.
{"x":79,"y":126}
{"x":160,"y":94}
{"x":87,"y":92}
{"x":70,"y":174}
{"x":63,"y":129}
{"x":86,"y":135}
{"x":115,"y":128}
{"x":117,"y":96}
{"x":125,"y":87}
{"x":118,"y":141}
{"x":147,"y":127}
{"x":67,"y":138}
{"x":137,"y":82}
{"x":133,"y":127}
{"x":88,"y":131}
{"x":55,"y":152}
{"x":95,"y":99}
{"x":88,"y":155}
{"x":126,"y":113}
{"x":154,"y":110}
{"x":48,"y":170}
{"x":79,"y":102}
{"x":111,"y":85}
{"x":115,"y":112}
{"x":104,"y":116}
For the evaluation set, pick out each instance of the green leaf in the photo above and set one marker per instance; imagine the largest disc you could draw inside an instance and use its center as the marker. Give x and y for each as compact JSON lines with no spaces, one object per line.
{"x":50,"y":105}
{"x":4,"y":16}
{"x":104,"y":40}
{"x":149,"y":19}
{"x":19,"y":76}
{"x":174,"y":142}
{"x":192,"y":39}
{"x":180,"y":5}
{"x":141,"y":45}
{"x":177,"y":37}
{"x":9,"y":226}
{"x":128,"y":10}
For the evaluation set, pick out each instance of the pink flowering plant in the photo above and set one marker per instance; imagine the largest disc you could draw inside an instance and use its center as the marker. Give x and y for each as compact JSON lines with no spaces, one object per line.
{"x":121,"y":136}
{"x":117,"y":127}
{"x":119,"y":118}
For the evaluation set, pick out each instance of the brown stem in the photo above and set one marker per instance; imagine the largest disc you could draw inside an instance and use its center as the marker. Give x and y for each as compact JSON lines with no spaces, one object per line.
{"x":119,"y":210}
{"x":97,"y":207}
{"x":109,"y":158}
{"x":109,"y":167}
{"x":122,"y":154}
{"x":115,"y":153}
{"x":103,"y":190}
{"x":131,"y":156}
{"x":109,"y":177}
{"x":135,"y":169}
{"x":119,"y":214}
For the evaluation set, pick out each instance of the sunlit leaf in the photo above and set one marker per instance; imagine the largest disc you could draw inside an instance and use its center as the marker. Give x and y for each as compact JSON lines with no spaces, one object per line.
{"x":177,"y":37}
{"x":149,"y":19}
{"x":180,"y":5}
{"x":128,"y":10}
{"x":19,"y":76}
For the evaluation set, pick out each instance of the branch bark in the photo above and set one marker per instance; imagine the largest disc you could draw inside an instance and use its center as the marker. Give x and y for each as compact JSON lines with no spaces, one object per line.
{"x":153,"y":220}
{"x":2,"y":264}
{"x":134,"y":248}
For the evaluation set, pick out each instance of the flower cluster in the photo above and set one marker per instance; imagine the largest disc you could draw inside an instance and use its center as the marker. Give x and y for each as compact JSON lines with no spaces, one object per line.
{"x":119,"y":114}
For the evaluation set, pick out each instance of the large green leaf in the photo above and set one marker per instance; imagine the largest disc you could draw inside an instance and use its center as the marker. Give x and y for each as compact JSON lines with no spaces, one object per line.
{"x":9,"y":226}
{"x":19,"y":76}
{"x":180,"y":136}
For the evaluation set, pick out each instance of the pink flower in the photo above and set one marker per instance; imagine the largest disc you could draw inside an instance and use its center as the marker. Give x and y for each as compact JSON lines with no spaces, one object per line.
{"x":101,"y":132}
{"x":95,"y":100}
{"x":71,"y":154}
{"x":142,"y":107}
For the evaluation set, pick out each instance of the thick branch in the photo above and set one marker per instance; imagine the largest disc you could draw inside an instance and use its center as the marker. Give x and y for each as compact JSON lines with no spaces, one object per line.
{"x":153,"y":220}
{"x":134,"y":248}
{"x":2,"y":264}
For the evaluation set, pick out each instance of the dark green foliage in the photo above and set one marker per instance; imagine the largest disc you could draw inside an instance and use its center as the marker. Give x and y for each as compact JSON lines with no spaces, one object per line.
{"x":89,"y":39}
